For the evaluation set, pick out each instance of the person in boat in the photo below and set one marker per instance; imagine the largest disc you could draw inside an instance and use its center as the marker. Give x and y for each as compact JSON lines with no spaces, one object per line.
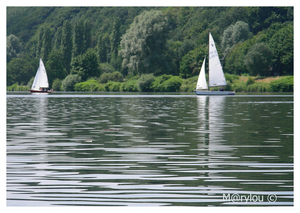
{"x":221,"y":89}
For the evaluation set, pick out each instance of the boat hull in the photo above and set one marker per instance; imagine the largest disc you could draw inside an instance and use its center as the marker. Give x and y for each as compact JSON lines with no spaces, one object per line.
{"x":200,"y":92}
{"x":40,"y":92}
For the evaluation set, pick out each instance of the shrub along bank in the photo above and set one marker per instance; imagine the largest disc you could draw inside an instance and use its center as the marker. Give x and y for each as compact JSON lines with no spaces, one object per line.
{"x":169,"y":83}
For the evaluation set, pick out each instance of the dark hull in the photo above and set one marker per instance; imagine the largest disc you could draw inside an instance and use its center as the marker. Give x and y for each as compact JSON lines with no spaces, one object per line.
{"x":40,"y":92}
{"x":200,"y":92}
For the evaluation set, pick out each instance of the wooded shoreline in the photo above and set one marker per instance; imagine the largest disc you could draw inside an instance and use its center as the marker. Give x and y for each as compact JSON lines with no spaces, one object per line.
{"x":169,"y":83}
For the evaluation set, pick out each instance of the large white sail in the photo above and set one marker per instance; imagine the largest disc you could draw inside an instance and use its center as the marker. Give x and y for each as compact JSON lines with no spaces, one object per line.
{"x":201,"y":83}
{"x":216,"y":74}
{"x":40,"y":80}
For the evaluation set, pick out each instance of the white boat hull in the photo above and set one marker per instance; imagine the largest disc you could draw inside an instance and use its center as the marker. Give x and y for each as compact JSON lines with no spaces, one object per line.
{"x":203,"y":92}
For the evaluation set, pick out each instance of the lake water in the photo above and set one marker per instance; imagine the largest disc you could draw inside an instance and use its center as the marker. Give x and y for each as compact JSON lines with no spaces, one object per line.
{"x":149,"y":150}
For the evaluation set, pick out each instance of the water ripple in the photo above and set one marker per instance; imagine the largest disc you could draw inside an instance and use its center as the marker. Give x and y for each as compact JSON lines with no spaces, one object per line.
{"x":141,"y":150}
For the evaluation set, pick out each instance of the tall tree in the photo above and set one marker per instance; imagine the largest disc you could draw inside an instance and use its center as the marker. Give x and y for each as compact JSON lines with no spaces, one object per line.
{"x":235,"y":33}
{"x":115,"y":59}
{"x":40,"y":42}
{"x":101,"y":50}
{"x":258,"y":59}
{"x":20,"y":70}
{"x":87,"y":37}
{"x":86,"y":65}
{"x":144,"y":44}
{"x":57,"y":38}
{"x":66,"y":44}
{"x":78,"y":41}
{"x":13,"y":47}
{"x":282,"y":43}
{"x":55,"y":66}
{"x":115,"y":37}
{"x":47,"y":43}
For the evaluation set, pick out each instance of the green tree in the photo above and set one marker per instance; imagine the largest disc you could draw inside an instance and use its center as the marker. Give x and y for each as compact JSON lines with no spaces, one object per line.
{"x":282,"y":44}
{"x":143,"y":46}
{"x":47,"y":44}
{"x":66,"y":44}
{"x":235,"y":33}
{"x":259,"y":59}
{"x":20,"y":70}
{"x":101,"y":50}
{"x":78,"y":42}
{"x":191,"y":63}
{"x":115,"y":37}
{"x":13,"y":47}
{"x":69,"y":82}
{"x":56,"y":85}
{"x":55,"y":66}
{"x":82,"y":37}
{"x":87,"y":36}
{"x":57,"y":38}
{"x":145,"y":82}
{"x":86,"y":65}
{"x":115,"y":59}
{"x":40,"y":42}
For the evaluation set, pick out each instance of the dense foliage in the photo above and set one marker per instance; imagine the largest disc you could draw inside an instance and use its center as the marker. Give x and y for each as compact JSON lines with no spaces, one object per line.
{"x":80,"y":43}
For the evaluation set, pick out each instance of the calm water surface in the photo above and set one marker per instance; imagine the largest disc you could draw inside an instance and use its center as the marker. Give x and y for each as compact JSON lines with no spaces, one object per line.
{"x":149,"y":150}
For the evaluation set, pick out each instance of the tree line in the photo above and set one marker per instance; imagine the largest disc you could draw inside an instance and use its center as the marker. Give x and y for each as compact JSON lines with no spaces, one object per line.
{"x":159,"y":41}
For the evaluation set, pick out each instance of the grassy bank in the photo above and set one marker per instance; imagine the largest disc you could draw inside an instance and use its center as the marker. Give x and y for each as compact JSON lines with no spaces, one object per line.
{"x":169,"y":83}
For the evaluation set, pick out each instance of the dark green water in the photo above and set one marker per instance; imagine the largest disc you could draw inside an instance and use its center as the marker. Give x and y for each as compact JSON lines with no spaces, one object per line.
{"x":149,"y":150}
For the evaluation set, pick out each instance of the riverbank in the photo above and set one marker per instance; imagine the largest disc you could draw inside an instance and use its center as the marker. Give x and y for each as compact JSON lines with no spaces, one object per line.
{"x":169,"y":83}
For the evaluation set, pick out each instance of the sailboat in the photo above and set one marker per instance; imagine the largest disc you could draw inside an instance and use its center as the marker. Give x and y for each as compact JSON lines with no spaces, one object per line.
{"x":216,"y":74}
{"x":40,"y":83}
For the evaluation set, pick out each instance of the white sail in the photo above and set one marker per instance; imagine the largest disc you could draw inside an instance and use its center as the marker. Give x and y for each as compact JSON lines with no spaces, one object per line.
{"x":201,"y":83}
{"x":216,"y":75}
{"x":40,"y":80}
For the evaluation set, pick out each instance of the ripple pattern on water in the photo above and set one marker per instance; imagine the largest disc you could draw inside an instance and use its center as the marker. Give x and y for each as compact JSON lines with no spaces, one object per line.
{"x":148,"y":150}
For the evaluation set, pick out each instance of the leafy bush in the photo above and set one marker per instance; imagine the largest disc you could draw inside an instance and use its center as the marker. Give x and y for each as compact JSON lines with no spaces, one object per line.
{"x":107,"y":86}
{"x":115,"y":76}
{"x":115,"y":86}
{"x":258,"y":87}
{"x":157,"y":85}
{"x":129,"y":86}
{"x":145,"y":83}
{"x":106,"y":68}
{"x":228,"y":87}
{"x":90,"y":85}
{"x":250,"y":81}
{"x":231,"y":77}
{"x":16,"y":87}
{"x":189,"y":84}
{"x":239,"y":86}
{"x":30,"y":82}
{"x":56,"y":85}
{"x":166,"y":83}
{"x":172,"y":84}
{"x":285,"y":84}
{"x":69,"y":82}
{"x":12,"y":87}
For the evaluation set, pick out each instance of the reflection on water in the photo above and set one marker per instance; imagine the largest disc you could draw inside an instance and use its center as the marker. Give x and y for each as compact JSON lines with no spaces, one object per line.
{"x":148,"y":150}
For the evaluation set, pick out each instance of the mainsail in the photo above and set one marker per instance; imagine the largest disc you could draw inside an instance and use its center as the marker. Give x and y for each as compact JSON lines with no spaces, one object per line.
{"x":40,"y":80}
{"x":201,"y":83}
{"x":216,"y":74}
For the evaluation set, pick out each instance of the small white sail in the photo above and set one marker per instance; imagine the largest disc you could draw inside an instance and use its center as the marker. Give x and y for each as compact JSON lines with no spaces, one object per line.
{"x":201,"y":83}
{"x":41,"y":79}
{"x":216,"y":74}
